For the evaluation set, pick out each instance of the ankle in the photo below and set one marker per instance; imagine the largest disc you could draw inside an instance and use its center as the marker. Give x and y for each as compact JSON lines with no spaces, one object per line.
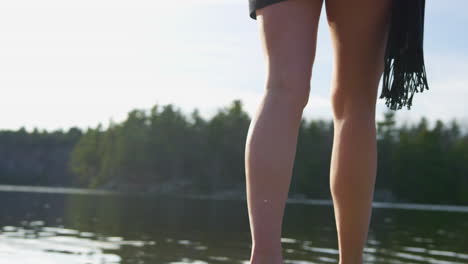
{"x":266,"y":255}
{"x":273,"y":258}
{"x":357,"y":260}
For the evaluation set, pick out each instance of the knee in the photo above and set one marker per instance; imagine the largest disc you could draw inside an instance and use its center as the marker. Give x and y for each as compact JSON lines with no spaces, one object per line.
{"x":292,"y":85}
{"x":347,"y":104}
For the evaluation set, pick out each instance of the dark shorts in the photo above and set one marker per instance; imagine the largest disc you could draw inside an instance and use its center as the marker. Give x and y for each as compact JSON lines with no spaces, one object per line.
{"x":257,"y":4}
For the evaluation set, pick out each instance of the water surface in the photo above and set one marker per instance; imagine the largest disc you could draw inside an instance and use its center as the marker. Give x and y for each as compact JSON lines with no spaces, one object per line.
{"x":46,"y":227}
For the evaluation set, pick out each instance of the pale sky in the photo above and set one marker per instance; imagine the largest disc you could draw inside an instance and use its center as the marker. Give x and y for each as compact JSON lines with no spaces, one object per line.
{"x":79,"y":63}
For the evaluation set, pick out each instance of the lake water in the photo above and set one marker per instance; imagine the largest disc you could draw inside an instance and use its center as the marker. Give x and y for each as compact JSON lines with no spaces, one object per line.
{"x":78,"y":228}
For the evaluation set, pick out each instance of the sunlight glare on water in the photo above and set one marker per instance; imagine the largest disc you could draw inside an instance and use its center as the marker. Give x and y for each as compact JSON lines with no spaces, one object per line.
{"x":54,"y":245}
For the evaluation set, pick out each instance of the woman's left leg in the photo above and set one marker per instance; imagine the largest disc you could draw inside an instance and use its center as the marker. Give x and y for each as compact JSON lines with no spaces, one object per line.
{"x":288,"y":31}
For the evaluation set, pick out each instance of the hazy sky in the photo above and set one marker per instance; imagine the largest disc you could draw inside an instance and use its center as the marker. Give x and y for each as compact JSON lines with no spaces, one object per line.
{"x":78,"y":63}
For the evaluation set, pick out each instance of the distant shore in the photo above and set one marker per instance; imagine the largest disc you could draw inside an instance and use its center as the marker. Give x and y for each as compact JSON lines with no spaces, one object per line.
{"x":226,"y":196}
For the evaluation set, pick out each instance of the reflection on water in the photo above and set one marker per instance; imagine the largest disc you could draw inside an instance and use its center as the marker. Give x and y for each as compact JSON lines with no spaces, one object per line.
{"x":40,"y":228}
{"x":34,"y":243}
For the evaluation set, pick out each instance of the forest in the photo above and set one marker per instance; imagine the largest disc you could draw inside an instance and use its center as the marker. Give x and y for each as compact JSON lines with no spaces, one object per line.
{"x":164,"y":150}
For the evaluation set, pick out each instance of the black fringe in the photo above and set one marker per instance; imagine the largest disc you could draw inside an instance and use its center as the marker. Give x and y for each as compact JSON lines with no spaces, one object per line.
{"x":404,"y":70}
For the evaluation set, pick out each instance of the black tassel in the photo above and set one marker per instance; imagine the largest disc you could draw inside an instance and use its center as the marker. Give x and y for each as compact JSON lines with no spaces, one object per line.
{"x":404,"y":70}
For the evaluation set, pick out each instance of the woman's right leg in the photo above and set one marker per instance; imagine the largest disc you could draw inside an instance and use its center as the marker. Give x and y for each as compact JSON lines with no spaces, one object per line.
{"x":288,"y":32}
{"x":358,"y":29}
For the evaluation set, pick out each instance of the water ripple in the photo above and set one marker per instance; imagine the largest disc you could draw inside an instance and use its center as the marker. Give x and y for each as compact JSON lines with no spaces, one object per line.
{"x":55,"y":245}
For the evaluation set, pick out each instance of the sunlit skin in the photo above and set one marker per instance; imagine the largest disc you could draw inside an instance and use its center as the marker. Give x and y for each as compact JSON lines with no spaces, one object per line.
{"x":288,"y":32}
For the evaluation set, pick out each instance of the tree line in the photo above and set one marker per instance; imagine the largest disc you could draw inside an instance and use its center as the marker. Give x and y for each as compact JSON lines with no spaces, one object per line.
{"x":163,"y":149}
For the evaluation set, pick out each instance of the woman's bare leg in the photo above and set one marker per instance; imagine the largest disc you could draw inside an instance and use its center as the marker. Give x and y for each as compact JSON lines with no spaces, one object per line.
{"x":359,"y":30}
{"x":288,"y":32}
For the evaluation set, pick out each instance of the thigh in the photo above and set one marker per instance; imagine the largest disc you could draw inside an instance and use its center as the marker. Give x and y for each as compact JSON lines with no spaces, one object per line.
{"x":359,"y":31}
{"x":288,"y":32}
